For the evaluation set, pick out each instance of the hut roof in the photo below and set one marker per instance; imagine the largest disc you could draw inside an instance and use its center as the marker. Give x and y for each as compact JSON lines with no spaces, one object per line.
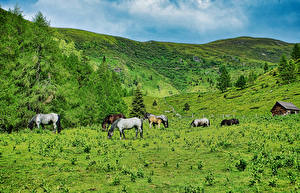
{"x":287,"y":106}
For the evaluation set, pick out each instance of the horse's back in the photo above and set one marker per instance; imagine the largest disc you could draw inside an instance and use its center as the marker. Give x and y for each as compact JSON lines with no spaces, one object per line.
{"x":201,"y":122}
{"x":129,"y":123}
{"x":46,"y":118}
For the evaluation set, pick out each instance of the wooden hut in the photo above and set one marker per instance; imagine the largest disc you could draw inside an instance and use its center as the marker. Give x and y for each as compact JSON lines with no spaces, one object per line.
{"x":284,"y":108}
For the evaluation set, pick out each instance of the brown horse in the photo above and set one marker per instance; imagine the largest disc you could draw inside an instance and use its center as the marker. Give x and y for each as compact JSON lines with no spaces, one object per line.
{"x":230,"y":122}
{"x":156,"y":120}
{"x":109,"y":119}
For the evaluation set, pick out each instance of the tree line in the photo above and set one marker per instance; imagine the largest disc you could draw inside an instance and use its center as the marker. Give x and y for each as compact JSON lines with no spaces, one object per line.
{"x":42,"y":73}
{"x":287,"y":70}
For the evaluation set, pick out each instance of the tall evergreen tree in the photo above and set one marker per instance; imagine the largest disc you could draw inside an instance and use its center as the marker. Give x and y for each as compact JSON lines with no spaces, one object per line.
{"x":252,"y":77}
{"x":186,"y":107}
{"x":287,"y":70}
{"x":138,"y":106}
{"x":282,"y":63}
{"x":266,"y":67}
{"x":241,"y":82}
{"x":223,"y":81}
{"x":296,"y":52}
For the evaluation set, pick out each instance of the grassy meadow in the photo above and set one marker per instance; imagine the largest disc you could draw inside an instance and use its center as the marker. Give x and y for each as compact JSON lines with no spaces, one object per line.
{"x":259,"y":155}
{"x":84,"y":76}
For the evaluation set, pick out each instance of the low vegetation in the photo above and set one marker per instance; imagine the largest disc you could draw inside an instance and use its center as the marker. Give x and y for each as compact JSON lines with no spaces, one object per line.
{"x":259,"y":155}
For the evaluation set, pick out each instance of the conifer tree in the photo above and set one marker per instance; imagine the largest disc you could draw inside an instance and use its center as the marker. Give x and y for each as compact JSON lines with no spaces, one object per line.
{"x":138,"y":106}
{"x":296,"y":52}
{"x":223,"y":81}
{"x":287,"y":70}
{"x":154,"y":103}
{"x":266,"y":67}
{"x":241,"y":82}
{"x":252,"y":77}
{"x":186,"y":107}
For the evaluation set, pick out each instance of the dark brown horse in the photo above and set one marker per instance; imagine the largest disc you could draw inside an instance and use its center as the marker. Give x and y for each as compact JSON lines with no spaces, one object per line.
{"x":230,"y":122}
{"x":109,"y":119}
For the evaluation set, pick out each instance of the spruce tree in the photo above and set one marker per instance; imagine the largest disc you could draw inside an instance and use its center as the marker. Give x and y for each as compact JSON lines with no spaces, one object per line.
{"x":241,"y":82}
{"x":252,"y":77}
{"x":223,"y":81}
{"x":266,"y":67}
{"x":138,"y":106}
{"x":186,"y":107}
{"x":287,"y":70}
{"x":296,"y":52}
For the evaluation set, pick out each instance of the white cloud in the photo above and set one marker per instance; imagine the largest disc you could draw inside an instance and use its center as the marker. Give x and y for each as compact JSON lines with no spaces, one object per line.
{"x":128,"y":17}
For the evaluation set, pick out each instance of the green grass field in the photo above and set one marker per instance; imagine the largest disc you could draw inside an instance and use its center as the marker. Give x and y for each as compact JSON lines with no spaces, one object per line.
{"x":259,"y":155}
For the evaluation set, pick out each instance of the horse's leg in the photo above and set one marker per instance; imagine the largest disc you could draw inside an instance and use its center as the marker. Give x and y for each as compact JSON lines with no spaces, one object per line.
{"x":54,"y":125}
{"x":43,"y":127}
{"x":38,"y":125}
{"x":150,"y":125}
{"x":136,"y":132}
{"x":123,"y":134}
{"x":141,"y":132}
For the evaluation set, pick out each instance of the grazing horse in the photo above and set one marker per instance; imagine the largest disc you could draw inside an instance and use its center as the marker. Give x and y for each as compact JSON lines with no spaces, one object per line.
{"x":109,"y":119}
{"x":46,"y":119}
{"x":153,"y":120}
{"x":200,"y":122}
{"x":230,"y":122}
{"x":123,"y":124}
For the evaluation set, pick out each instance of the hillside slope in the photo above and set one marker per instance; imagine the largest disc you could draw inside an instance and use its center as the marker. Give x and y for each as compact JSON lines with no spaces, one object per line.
{"x":165,"y":68}
{"x":255,"y":100}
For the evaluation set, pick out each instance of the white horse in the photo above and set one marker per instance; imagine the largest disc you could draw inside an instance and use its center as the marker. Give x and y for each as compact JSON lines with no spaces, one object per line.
{"x":46,"y":119}
{"x":123,"y":124}
{"x":200,"y":122}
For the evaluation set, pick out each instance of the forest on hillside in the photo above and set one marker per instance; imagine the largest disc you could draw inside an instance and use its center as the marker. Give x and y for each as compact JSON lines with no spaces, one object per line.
{"x":42,"y":73}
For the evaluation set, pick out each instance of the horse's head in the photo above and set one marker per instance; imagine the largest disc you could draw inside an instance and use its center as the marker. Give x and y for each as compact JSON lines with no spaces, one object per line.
{"x":165,"y":122}
{"x":146,"y":115}
{"x":111,"y":130}
{"x":236,"y":121}
{"x":30,"y":124}
{"x":110,"y":134}
{"x":103,"y":125}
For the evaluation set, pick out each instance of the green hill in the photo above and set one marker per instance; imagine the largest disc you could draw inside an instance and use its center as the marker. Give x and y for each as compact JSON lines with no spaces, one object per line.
{"x":165,"y":68}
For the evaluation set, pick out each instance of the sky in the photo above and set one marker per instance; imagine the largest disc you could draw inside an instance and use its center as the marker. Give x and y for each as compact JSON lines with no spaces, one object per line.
{"x":182,"y":21}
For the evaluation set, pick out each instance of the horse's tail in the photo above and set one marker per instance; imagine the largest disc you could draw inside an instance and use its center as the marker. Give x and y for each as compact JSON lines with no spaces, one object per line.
{"x":142,"y":124}
{"x":58,"y":124}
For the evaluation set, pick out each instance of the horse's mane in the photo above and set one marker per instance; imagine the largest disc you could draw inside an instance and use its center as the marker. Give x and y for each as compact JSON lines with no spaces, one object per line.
{"x":33,"y":118}
{"x":105,"y":119}
{"x":113,"y":126}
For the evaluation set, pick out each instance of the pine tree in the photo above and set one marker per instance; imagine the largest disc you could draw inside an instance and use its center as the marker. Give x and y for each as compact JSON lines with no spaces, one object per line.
{"x":282,"y":64}
{"x":287,"y":70}
{"x":186,"y":107}
{"x":154,"y":103}
{"x":296,"y":53}
{"x":241,"y":82}
{"x":252,"y":77}
{"x":290,"y":76}
{"x":138,"y":106}
{"x":223,"y":81}
{"x":266,"y":67}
